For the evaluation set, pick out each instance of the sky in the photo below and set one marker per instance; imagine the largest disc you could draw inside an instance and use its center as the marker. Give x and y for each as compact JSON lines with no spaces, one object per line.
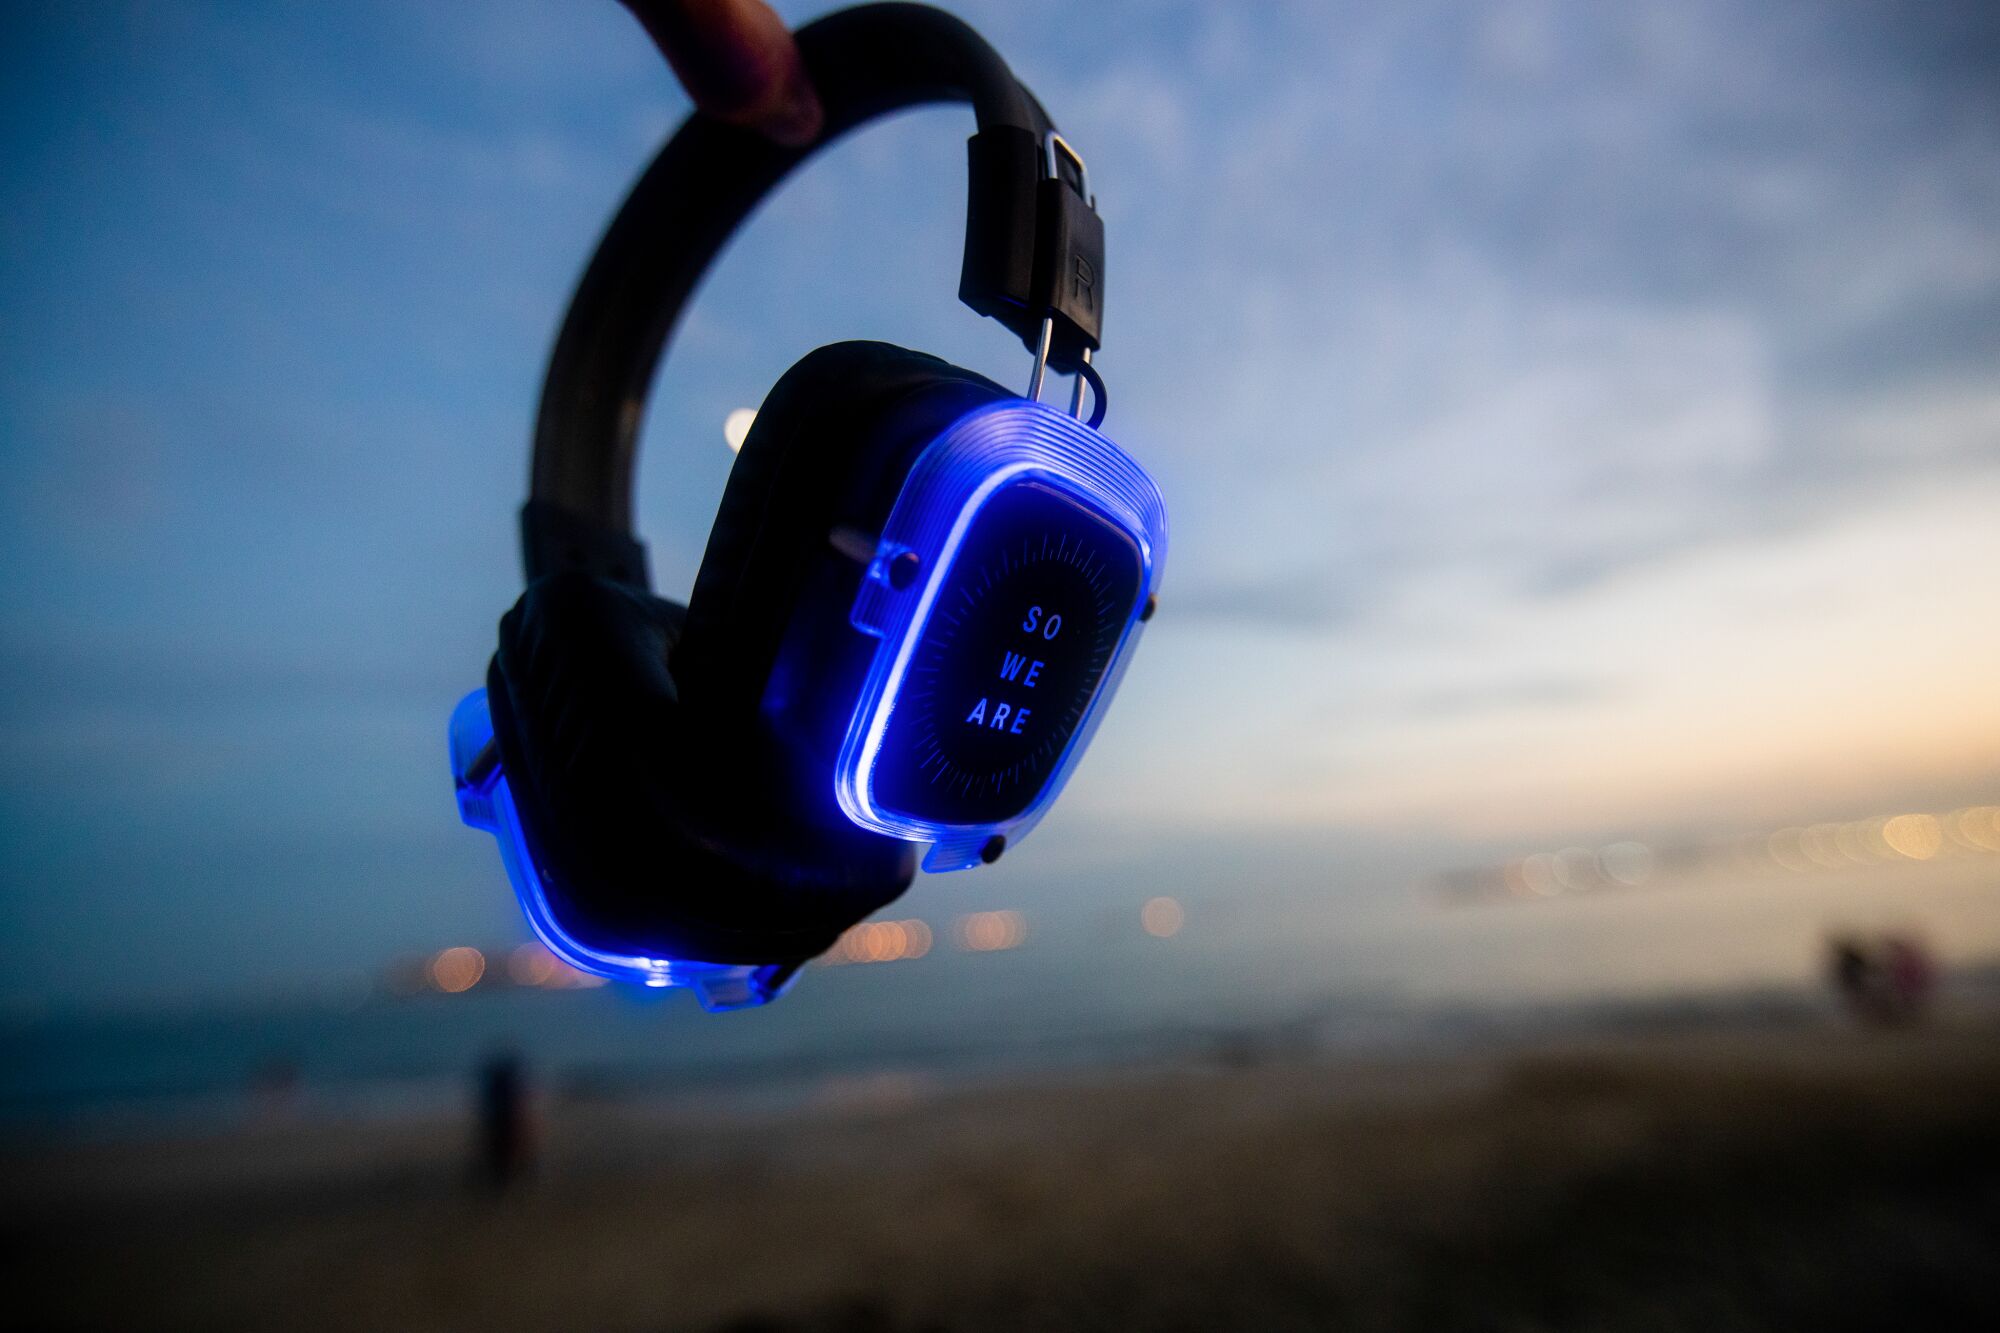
{"x":1577,"y":422}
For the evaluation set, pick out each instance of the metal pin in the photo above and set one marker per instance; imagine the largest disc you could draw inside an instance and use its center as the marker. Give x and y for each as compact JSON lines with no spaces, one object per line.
{"x":1042,"y":359}
{"x":1076,"y":391}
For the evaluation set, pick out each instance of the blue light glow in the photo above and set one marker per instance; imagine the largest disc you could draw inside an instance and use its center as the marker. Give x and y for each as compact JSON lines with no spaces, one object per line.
{"x":486,"y":802}
{"x":941,"y":502}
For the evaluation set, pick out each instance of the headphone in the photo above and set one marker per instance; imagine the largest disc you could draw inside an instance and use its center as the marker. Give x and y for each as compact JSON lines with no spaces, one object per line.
{"x":919,"y":593}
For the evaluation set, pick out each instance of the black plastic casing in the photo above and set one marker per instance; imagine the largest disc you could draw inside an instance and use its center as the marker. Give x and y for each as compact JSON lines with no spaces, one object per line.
{"x":1034,"y":247}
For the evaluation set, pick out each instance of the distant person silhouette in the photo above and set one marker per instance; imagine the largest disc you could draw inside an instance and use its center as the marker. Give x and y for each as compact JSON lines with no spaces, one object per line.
{"x":506,"y":1148}
{"x":1852,"y":972}
{"x":738,"y":62}
{"x":1888,"y":980}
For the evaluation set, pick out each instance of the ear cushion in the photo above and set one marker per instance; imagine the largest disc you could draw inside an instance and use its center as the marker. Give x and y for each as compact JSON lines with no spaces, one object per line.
{"x":829,"y":448}
{"x":646,"y":848}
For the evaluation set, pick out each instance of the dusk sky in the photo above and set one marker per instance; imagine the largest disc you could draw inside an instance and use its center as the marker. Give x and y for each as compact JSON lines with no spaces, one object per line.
{"x":1577,"y":422}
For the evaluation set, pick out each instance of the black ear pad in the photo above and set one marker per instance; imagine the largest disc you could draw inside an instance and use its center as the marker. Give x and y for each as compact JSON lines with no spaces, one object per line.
{"x":673,"y":767}
{"x":648,"y":848}
{"x":829,"y":449}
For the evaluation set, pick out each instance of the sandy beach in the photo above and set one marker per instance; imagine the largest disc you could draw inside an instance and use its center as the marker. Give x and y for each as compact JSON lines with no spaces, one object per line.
{"x":1805,"y":1175}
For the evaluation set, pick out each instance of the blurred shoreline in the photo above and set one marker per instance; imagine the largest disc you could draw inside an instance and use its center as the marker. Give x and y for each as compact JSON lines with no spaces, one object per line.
{"x":236,"y":1071}
{"x":221,"y":1073}
{"x":1259,"y":1183}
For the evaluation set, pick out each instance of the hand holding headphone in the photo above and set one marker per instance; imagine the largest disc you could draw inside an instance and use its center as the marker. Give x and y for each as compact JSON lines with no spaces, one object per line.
{"x":918,"y":596}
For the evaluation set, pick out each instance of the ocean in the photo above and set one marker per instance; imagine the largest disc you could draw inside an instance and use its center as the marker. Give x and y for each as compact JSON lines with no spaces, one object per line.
{"x":1088,"y":991}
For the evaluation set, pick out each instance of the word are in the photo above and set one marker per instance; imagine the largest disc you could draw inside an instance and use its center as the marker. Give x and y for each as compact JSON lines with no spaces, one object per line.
{"x":998,"y":720}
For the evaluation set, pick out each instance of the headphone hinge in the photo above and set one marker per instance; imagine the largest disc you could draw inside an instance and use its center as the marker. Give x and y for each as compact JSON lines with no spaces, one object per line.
{"x":1068,"y":284}
{"x":1001,"y":231}
{"x":1034,"y":244}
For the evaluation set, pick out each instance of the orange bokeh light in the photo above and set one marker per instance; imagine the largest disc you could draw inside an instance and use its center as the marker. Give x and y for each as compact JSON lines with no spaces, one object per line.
{"x":881,"y":942}
{"x":531,"y":964}
{"x":990,"y":932}
{"x":457,"y":969}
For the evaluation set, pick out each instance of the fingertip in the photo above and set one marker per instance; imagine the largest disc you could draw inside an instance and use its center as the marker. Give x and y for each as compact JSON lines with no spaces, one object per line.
{"x":739,"y":63}
{"x":797,"y":117}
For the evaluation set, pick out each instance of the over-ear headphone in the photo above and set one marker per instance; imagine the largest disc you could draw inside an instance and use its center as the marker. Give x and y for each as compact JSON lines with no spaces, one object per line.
{"x":918,"y":596}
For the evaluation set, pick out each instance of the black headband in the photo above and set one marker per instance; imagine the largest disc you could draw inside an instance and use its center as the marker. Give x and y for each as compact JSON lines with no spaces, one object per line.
{"x":1033,"y":254}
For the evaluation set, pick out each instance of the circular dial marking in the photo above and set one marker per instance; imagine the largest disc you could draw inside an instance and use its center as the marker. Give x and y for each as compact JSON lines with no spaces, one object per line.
{"x":1014,"y":651}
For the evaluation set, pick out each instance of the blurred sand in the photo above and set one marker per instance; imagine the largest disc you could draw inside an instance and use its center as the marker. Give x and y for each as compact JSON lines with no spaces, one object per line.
{"x":1802,"y":1176}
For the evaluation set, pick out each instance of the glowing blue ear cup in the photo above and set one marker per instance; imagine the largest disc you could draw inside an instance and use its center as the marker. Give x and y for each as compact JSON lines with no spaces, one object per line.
{"x":941,"y":505}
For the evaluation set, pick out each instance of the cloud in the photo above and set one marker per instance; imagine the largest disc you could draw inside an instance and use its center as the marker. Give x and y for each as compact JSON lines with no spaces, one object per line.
{"x":1580,"y":290}
{"x":1531,"y":693}
{"x":1299,"y":600}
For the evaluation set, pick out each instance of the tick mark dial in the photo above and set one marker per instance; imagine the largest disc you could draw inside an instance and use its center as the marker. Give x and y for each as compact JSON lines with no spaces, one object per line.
{"x":1016,"y":646}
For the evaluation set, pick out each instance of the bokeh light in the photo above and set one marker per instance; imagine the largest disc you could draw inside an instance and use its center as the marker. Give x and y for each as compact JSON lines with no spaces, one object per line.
{"x":991,"y":932}
{"x":1829,"y":847}
{"x":531,"y":964}
{"x":1162,"y":917}
{"x":1976,"y":828}
{"x":880,"y":942}
{"x":457,"y":969}
{"x":1914,"y":836}
{"x":1627,"y":863}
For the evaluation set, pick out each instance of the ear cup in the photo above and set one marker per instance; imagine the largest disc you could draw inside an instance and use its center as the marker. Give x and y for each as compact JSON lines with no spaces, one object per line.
{"x":673,"y":767}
